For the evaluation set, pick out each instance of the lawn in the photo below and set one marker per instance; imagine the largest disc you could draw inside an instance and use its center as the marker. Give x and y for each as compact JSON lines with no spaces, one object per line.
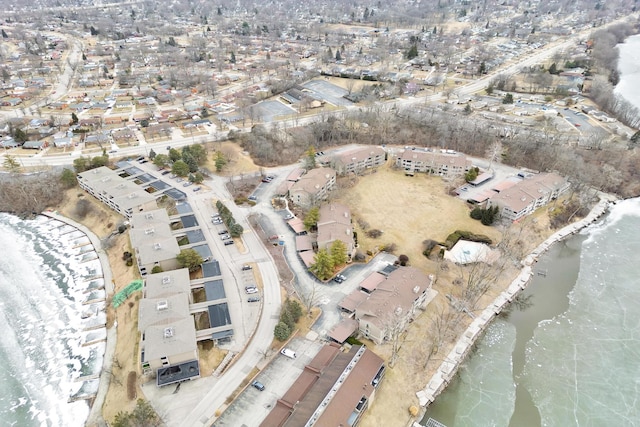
{"x":408,"y":210}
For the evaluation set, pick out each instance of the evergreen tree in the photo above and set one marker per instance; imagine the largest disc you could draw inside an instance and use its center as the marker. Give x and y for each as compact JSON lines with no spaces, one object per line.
{"x":74,"y":119}
{"x":338,"y":253}
{"x":4,"y":34}
{"x":311,"y":219}
{"x":233,"y":58}
{"x":338,"y":56}
{"x":220,"y":161}
{"x":412,"y":52}
{"x":322,"y":266}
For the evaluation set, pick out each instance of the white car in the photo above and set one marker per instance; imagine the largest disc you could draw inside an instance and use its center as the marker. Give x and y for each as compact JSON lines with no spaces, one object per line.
{"x":251,"y":289}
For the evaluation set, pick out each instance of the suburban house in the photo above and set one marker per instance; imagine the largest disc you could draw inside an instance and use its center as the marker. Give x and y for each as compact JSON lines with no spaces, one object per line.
{"x":334,"y":389}
{"x":385,"y":303}
{"x":121,"y":195}
{"x":312,"y":187}
{"x":153,"y":241}
{"x":357,"y":160}
{"x":524,"y":197}
{"x":438,"y":162}
{"x":334,"y":223}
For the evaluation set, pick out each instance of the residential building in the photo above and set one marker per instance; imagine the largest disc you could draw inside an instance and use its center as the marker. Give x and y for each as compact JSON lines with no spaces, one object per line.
{"x":357,"y":160}
{"x":437,"y":162}
{"x":524,"y":197}
{"x":121,"y":195}
{"x":153,"y":241}
{"x":169,"y":347}
{"x":334,"y":389}
{"x":391,"y":304}
{"x":313,"y":187}
{"x":334,"y":223}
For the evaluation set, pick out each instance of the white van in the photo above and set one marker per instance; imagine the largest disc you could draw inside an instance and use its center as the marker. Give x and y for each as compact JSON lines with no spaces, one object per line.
{"x":289,"y":353}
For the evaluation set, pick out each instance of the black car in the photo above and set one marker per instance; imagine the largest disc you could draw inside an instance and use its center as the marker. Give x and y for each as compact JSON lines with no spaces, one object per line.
{"x":223,"y":232}
{"x":228,"y":242}
{"x":246,"y":267}
{"x":253,"y":299}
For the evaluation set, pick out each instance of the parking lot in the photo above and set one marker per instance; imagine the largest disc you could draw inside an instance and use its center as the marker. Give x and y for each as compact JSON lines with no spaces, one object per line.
{"x":267,"y":111}
{"x":252,"y":406}
{"x":329,"y":92}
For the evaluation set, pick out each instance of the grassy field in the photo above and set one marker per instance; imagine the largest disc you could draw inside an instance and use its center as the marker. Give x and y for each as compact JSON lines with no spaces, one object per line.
{"x":408,"y":210}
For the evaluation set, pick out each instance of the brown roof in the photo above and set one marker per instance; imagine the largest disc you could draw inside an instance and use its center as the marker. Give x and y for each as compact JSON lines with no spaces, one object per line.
{"x":435,"y":158}
{"x":296,"y":225}
{"x":349,"y":375}
{"x":356,"y":386}
{"x":402,"y":287}
{"x":353,"y":300}
{"x":359,"y":153}
{"x":343,"y":330}
{"x":334,"y":212}
{"x":314,"y":180}
{"x":303,"y":243}
{"x":308,"y":257}
{"x":372,"y":281}
{"x":295,"y":174}
{"x":501,"y":186}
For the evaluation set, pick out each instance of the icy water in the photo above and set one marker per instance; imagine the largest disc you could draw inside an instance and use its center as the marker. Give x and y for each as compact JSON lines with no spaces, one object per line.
{"x":571,"y":357}
{"x":629,"y":67}
{"x":47,"y":273}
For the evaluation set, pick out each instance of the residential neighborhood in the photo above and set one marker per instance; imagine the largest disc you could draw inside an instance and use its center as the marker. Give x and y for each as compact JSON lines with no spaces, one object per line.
{"x":310,"y":212}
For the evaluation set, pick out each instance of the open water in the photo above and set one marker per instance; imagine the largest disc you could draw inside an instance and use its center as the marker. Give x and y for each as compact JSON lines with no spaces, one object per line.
{"x":571,"y":357}
{"x":629,"y":67}
{"x":48,"y":277}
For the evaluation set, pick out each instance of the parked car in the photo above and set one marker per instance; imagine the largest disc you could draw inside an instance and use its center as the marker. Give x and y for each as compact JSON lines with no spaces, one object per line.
{"x":288,"y":217}
{"x":216,"y":221}
{"x":253,"y":299}
{"x":197,"y":189}
{"x":228,"y":242}
{"x":288,"y":352}
{"x":225,"y":237}
{"x":246,"y":267}
{"x":254,"y":198}
{"x":223,"y":232}
{"x":251,"y":289}
{"x":186,"y":184}
{"x":258,"y":385}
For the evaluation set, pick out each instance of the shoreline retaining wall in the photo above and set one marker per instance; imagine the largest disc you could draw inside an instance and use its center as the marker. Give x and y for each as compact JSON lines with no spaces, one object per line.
{"x":451,"y":363}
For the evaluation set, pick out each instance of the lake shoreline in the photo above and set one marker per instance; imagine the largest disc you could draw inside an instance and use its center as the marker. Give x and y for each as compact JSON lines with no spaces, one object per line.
{"x":461,"y":349}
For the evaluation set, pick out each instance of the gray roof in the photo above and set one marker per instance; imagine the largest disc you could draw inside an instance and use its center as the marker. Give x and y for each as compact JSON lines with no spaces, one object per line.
{"x":167,"y":283}
{"x":162,"y":311}
{"x":172,"y":338}
{"x":152,"y":237}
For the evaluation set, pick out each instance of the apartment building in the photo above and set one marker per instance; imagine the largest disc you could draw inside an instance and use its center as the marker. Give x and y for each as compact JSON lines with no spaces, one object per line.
{"x":121,"y":195}
{"x":313,"y":187}
{"x":334,"y":223}
{"x":153,"y":241}
{"x":357,"y":160}
{"x":445,"y":163}
{"x":526,"y":196}
{"x":334,"y":389}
